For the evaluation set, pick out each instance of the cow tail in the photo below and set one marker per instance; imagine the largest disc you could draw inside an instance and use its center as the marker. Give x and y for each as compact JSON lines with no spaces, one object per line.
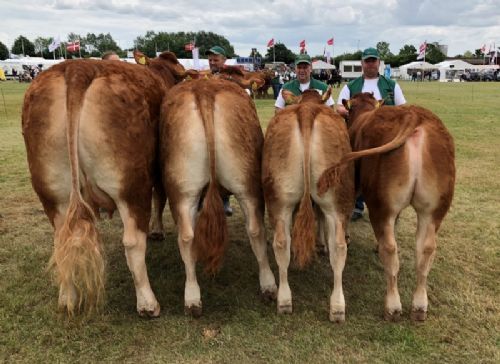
{"x":78,"y":260}
{"x":210,"y":232}
{"x":330,"y":176}
{"x":303,"y":232}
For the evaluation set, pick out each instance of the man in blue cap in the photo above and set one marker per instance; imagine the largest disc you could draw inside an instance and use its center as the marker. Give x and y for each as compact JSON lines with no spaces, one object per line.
{"x":383,"y":88}
{"x":304,"y":81}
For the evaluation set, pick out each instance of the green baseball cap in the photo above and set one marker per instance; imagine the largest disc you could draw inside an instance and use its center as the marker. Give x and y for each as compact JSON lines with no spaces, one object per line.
{"x":303,"y":58}
{"x":370,"y":53}
{"x":216,"y":50}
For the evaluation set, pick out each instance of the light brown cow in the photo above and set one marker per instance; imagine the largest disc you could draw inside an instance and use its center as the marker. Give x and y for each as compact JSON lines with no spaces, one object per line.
{"x":217,"y":150}
{"x":301,"y":141}
{"x":90,"y":129}
{"x":408,"y":158}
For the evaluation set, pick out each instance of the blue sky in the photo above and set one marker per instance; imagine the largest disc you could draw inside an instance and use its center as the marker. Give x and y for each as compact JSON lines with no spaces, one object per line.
{"x":460,"y":24}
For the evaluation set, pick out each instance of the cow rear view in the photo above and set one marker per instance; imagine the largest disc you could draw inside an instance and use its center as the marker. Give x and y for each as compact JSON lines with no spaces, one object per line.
{"x":301,"y":141}
{"x":211,"y":145}
{"x":90,"y":129}
{"x":407,"y":158}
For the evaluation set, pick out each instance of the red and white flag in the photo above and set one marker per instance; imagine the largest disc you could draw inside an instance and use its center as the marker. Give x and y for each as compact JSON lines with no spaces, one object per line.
{"x":421,"y":50}
{"x":302,"y":44}
{"x":330,"y":41}
{"x":270,"y":43}
{"x":483,"y":49}
{"x":189,"y":47}
{"x":73,"y":46}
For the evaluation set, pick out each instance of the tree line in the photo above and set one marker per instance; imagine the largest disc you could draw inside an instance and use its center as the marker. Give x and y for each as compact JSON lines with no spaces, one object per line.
{"x":94,"y":45}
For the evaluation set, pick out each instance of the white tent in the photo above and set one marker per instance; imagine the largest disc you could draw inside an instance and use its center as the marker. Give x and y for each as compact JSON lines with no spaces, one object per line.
{"x":322,"y":65}
{"x":417,"y":65}
{"x":453,"y":69}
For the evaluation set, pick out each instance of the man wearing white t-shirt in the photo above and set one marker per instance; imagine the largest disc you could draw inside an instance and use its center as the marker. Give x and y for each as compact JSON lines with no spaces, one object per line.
{"x":383,"y":88}
{"x":303,"y":69}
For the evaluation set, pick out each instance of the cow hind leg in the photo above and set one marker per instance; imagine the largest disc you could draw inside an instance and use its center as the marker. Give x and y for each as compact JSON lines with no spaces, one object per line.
{"x":383,"y":226}
{"x":337,"y":247}
{"x":156,"y":223}
{"x":281,"y":247}
{"x":185,"y":221}
{"x":256,"y":234}
{"x":425,"y":252}
{"x":134,"y":241}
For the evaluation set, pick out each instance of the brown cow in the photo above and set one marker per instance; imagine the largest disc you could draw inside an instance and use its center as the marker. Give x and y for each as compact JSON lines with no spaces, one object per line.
{"x":408,"y":158}
{"x":90,"y":129}
{"x":301,"y":141}
{"x":217,"y":150}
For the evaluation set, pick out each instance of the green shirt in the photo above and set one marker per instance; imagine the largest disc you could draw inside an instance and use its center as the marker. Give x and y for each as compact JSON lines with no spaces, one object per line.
{"x":385,"y":86}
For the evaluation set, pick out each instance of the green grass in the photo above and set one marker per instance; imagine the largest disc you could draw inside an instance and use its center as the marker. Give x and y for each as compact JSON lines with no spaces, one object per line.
{"x":463,"y":324}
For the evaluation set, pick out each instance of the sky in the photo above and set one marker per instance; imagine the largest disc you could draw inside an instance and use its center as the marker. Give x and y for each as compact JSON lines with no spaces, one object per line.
{"x":462,"y":25}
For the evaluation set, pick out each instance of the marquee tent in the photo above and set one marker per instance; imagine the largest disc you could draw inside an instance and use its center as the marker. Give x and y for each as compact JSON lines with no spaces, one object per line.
{"x":322,"y":65}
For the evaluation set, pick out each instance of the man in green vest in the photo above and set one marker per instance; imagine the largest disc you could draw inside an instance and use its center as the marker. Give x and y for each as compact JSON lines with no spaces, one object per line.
{"x":383,"y":88}
{"x":304,"y":81}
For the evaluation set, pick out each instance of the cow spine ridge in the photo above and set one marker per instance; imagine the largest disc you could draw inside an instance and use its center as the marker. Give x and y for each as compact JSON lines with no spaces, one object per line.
{"x":303,"y":232}
{"x":210,"y":233}
{"x":78,"y":259}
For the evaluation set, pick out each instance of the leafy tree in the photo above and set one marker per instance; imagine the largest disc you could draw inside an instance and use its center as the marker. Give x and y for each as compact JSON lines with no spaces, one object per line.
{"x":433,"y":54}
{"x":281,"y":54}
{"x":469,"y":54}
{"x":22,"y":45}
{"x":478,"y":53}
{"x":42,"y":47}
{"x":4,"y":51}
{"x":383,"y":50}
{"x":98,"y":44}
{"x":154,"y":42}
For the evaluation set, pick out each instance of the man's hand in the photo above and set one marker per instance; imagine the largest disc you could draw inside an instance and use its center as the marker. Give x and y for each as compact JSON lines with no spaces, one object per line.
{"x":342,"y":110}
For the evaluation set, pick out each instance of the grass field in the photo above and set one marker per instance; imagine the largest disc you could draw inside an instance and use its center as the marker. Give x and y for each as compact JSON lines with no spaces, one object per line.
{"x":463,"y":324}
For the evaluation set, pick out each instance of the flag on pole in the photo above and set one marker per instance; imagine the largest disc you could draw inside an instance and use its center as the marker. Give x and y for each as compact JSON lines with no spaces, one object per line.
{"x":189,"y":47}
{"x":483,"y":49}
{"x":302,"y":44}
{"x":270,"y":43}
{"x":56,"y":42}
{"x":330,"y":41}
{"x":421,"y":50}
{"x":73,"y":46}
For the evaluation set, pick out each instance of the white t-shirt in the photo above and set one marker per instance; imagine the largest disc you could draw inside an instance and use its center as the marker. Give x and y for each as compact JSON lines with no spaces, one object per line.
{"x":371,"y":86}
{"x":280,"y":101}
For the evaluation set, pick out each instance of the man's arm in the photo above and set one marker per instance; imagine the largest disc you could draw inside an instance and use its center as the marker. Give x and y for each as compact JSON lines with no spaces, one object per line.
{"x":345,"y":94}
{"x":399,"y":98}
{"x":280,"y":102}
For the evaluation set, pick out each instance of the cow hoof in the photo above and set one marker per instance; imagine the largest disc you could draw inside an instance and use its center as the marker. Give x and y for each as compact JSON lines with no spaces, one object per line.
{"x":268,"y":295}
{"x":285,"y":309}
{"x":418,"y":314}
{"x":150,"y":313}
{"x":337,"y":317}
{"x":193,"y":311}
{"x":394,"y":316}
{"x":157,"y":236}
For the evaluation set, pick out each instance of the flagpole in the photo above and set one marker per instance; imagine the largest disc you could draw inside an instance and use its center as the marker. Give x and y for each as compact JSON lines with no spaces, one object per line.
{"x":274,"y":56}
{"x":425,"y":50}
{"x":79,"y":48}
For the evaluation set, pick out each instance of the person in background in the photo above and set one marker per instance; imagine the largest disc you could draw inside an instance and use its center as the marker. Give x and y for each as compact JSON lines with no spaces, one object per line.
{"x":383,"y":88}
{"x":304,"y":81}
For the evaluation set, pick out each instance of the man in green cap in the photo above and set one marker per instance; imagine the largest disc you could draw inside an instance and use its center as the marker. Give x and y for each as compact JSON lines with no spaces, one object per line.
{"x":216,"y":58}
{"x":383,"y":88}
{"x":304,"y":81}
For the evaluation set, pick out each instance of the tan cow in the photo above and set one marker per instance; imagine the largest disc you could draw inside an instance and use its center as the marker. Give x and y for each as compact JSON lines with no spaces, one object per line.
{"x":90,"y":129}
{"x":407,"y":158}
{"x":301,"y":141}
{"x":211,"y":144}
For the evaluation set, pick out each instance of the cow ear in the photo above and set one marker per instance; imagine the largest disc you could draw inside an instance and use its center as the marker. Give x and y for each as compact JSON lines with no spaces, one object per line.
{"x":327,"y":94}
{"x":289,"y":97}
{"x":347,"y":104}
{"x":381,"y":103}
{"x":141,"y":58}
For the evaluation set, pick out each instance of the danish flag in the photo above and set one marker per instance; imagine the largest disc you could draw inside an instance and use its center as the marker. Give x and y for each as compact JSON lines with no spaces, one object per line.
{"x":73,"y":46}
{"x":270,"y":43}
